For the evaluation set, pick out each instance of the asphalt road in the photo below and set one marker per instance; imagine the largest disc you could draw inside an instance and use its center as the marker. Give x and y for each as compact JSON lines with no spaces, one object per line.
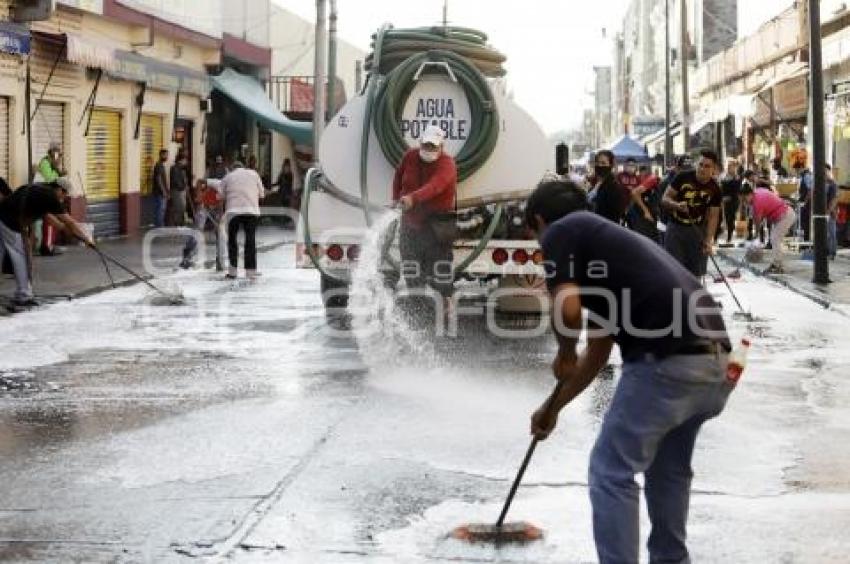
{"x":248,"y":426}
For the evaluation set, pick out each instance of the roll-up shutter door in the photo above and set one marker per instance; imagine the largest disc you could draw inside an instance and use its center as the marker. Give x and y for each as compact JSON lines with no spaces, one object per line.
{"x":150,"y":136}
{"x":103,"y":172}
{"x":151,"y":139}
{"x":4,"y":139}
{"x":47,"y":127}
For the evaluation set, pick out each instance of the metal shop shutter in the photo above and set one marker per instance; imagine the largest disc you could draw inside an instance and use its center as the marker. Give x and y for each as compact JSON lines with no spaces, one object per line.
{"x":103,"y":157}
{"x":103,"y":172}
{"x":151,"y":140}
{"x":47,"y":127}
{"x":4,"y":139}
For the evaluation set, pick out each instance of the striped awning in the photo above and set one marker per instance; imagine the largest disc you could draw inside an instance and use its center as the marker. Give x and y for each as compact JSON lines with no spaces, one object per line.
{"x":95,"y":53}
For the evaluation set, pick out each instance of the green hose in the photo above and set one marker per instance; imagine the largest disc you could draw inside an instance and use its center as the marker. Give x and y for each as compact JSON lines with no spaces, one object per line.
{"x":396,"y":88}
{"x":398,"y":44}
{"x":309,"y":186}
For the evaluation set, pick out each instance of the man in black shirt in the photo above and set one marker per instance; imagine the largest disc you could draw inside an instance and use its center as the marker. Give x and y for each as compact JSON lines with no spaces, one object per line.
{"x":730,"y":188}
{"x":178,"y":184}
{"x":17,"y":212}
{"x":693,"y":200}
{"x":161,"y":193}
{"x":674,"y":347}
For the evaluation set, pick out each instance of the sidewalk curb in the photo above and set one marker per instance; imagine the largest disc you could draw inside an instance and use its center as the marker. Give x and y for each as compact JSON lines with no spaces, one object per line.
{"x":88,"y":292}
{"x":782,"y":281}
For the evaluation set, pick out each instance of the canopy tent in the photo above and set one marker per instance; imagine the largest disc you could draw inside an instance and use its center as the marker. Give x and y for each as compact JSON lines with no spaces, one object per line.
{"x":249,"y":94}
{"x":627,"y":148}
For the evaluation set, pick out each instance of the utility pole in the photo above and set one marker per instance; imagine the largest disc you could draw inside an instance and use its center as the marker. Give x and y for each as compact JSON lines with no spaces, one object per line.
{"x":320,"y":63}
{"x":684,"y":55}
{"x":821,"y":274}
{"x":668,"y":139}
{"x":331,"y":109}
{"x":445,"y":14}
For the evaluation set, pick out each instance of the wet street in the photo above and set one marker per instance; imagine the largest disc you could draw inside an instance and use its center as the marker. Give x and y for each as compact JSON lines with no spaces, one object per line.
{"x":248,"y":426}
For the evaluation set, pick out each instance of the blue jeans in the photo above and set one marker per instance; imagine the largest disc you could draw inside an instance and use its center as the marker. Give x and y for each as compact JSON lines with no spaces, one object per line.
{"x":651,"y":428}
{"x":159,"y":210}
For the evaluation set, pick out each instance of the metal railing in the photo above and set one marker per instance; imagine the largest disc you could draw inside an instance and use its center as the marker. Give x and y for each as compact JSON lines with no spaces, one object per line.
{"x":293,"y":94}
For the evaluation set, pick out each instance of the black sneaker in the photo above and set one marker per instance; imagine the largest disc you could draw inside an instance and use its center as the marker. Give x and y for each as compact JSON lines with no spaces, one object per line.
{"x":25,"y":302}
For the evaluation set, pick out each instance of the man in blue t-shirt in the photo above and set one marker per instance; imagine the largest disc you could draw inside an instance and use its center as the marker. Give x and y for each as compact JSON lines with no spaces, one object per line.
{"x":674,"y":347}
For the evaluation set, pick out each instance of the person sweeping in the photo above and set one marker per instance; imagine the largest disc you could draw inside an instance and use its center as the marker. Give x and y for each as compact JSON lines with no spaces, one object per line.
{"x":766,"y":205}
{"x":674,"y":346}
{"x":17,"y":212}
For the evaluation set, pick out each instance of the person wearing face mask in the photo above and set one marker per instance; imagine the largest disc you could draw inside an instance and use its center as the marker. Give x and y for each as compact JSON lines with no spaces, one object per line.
{"x":424,"y":187}
{"x":51,"y":169}
{"x":607,"y":194}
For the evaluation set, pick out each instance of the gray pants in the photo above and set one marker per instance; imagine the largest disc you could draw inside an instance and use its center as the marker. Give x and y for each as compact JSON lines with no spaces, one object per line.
{"x":684,"y":242}
{"x":12,"y":242}
{"x":651,"y":428}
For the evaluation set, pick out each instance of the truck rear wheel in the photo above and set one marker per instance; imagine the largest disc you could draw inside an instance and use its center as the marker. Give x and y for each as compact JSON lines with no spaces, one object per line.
{"x":334,"y":293}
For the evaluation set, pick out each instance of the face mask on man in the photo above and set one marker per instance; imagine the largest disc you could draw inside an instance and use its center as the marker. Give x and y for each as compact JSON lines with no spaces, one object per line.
{"x":429,"y":156}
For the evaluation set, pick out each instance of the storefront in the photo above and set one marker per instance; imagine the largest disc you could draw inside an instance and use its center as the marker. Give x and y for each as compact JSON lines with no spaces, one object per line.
{"x":151,"y":141}
{"x":14,"y":42}
{"x":779,"y":127}
{"x":243,"y":100}
{"x":167,"y":105}
{"x":103,"y":172}
{"x":838,"y":124}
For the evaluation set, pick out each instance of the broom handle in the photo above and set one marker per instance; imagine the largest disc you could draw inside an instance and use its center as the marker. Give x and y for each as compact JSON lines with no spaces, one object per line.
{"x":129,"y":271}
{"x":717,"y":266}
{"x":529,"y":453}
{"x":726,"y":281}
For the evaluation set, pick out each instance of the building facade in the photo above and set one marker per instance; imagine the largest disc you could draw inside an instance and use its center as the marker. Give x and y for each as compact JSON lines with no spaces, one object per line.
{"x":291,"y":85}
{"x":639,"y":86}
{"x":111,"y":85}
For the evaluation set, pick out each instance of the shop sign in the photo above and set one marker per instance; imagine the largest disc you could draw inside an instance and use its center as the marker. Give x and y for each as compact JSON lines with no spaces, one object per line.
{"x":440,"y":102}
{"x":14,"y":39}
{"x":159,"y":75}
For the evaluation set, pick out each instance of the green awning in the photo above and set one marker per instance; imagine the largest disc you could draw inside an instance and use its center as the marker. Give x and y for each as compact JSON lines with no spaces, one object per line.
{"x":249,"y":94}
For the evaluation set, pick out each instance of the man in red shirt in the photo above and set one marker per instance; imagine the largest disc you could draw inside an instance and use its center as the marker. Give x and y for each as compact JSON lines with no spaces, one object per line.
{"x":424,"y":186}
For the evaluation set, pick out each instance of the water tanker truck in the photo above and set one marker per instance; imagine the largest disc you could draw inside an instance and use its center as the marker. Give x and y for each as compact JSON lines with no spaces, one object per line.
{"x":449,"y":77}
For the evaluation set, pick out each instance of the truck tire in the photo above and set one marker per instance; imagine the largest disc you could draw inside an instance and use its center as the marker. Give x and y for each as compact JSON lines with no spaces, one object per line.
{"x":334,"y":293}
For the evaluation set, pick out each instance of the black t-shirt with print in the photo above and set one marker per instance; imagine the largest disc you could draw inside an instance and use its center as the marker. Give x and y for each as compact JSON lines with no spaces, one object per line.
{"x":649,"y":302}
{"x":699,"y":196}
{"x":29,"y":203}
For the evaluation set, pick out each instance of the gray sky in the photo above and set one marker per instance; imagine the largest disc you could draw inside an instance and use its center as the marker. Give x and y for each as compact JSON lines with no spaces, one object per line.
{"x":551,"y":45}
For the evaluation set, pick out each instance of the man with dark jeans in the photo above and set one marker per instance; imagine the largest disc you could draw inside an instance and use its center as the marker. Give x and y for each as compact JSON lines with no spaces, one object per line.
{"x":674,"y":347}
{"x":243,"y":190}
{"x":424,"y":186}
{"x":159,"y":188}
{"x":693,"y":200}
{"x":178,"y":184}
{"x":730,"y":187}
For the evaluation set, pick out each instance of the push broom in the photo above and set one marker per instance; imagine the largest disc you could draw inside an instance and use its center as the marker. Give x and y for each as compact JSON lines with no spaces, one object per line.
{"x":512,"y":532}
